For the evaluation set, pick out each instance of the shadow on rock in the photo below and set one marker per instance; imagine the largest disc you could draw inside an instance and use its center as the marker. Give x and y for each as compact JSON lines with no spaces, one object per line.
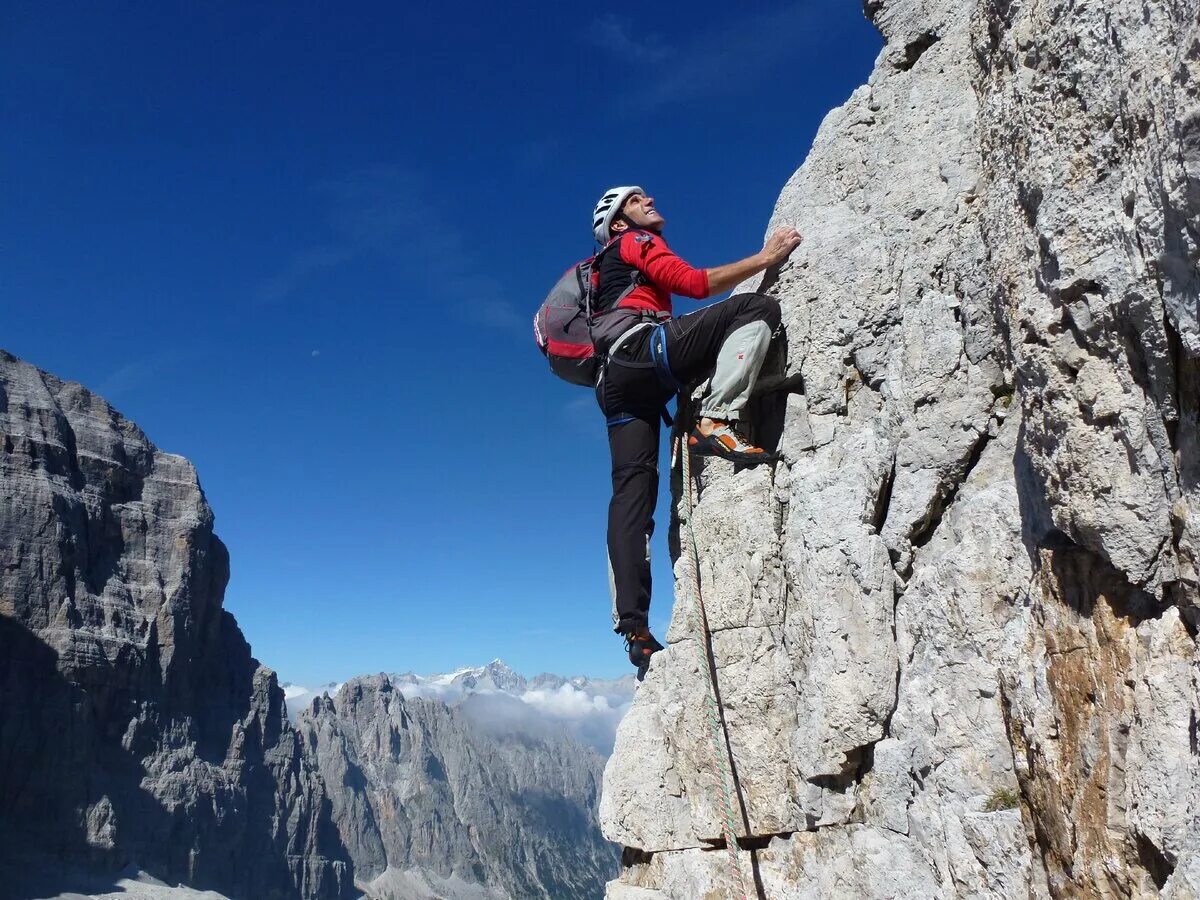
{"x":56,"y":803}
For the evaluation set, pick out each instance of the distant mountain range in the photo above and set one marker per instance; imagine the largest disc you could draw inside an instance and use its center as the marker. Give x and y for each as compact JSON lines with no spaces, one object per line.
{"x":148,"y":754}
{"x":476,"y":784}
{"x":587,"y":708}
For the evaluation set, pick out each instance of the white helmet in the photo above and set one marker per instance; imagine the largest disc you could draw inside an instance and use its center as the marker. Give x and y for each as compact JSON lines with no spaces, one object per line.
{"x":609,"y":208}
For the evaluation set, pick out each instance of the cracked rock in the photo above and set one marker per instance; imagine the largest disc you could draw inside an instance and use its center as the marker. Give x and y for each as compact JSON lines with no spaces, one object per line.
{"x":954,"y":629}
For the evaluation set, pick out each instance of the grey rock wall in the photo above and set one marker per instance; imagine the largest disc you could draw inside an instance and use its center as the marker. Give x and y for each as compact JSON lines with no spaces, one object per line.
{"x":135,"y":727}
{"x":954,"y":628}
{"x":138,"y":735}
{"x":488,"y":799}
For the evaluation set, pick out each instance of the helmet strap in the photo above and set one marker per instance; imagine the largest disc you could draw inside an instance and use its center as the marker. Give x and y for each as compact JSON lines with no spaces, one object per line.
{"x":621,"y":217}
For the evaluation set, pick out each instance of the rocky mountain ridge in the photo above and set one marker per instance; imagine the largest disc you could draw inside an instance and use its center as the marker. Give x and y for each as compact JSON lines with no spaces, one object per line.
{"x":144,"y":748}
{"x":496,"y":676}
{"x":135,"y":726}
{"x":488,"y":792}
{"x":476,"y":783}
{"x":589,"y":708}
{"x":954,"y":628}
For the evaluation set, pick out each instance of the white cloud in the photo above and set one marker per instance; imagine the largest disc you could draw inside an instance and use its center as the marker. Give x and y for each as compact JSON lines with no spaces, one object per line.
{"x":132,"y":375}
{"x":726,"y":59}
{"x":567,"y":702}
{"x":593,"y":719}
{"x":447,"y":693}
{"x":302,"y":266}
{"x":124,"y":378}
{"x":621,"y":38}
{"x":500,"y":700}
{"x":298,"y":698}
{"x":391,"y":211}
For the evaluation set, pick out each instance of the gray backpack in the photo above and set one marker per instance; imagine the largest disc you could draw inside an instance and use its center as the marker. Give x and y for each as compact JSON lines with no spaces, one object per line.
{"x":568,"y":326}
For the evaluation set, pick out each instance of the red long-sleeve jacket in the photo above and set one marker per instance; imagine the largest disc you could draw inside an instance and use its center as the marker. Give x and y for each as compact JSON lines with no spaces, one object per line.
{"x":645,"y":257}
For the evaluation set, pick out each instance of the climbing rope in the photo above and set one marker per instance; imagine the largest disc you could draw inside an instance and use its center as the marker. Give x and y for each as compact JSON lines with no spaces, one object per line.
{"x":722,"y":751}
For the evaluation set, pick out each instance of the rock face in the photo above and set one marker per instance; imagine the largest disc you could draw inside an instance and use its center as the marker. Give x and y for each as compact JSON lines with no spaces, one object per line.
{"x":138,"y":735}
{"x":954,"y":628}
{"x":439,"y":801}
{"x":135,"y":727}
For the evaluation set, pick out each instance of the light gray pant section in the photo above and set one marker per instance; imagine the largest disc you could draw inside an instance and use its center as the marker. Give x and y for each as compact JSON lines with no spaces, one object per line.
{"x":741,"y":357}
{"x":612,"y":585}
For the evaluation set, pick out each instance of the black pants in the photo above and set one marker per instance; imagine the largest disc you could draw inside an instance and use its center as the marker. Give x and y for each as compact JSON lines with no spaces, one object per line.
{"x":631,"y":394}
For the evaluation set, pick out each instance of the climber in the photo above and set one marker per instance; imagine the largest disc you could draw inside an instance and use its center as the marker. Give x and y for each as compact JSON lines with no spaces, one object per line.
{"x":650,"y":357}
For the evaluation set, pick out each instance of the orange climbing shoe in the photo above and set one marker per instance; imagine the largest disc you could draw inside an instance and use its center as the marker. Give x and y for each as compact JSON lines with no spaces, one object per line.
{"x":641,"y":645}
{"x":726,"y":442}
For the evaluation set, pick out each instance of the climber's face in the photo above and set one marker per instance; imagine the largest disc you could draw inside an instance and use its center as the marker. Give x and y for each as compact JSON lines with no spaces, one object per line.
{"x":640,"y":212}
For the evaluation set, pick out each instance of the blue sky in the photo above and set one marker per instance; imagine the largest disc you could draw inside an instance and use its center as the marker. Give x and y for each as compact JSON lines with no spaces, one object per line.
{"x":301,"y":244}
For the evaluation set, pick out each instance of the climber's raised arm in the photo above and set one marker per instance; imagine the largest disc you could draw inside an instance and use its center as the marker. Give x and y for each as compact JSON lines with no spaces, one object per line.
{"x":779,"y":246}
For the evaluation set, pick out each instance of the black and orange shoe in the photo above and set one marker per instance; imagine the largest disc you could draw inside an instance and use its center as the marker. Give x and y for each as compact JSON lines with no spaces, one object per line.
{"x":727,"y":442}
{"x":641,"y":645}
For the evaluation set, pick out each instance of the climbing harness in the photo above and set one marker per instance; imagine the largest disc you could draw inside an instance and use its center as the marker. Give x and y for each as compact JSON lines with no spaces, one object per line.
{"x":722,"y":751}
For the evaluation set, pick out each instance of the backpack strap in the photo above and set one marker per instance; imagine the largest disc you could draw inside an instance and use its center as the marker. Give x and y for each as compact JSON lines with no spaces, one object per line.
{"x":637,"y":277}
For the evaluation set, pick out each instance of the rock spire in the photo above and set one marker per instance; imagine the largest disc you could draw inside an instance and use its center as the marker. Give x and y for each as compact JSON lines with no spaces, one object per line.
{"x":955,"y":626}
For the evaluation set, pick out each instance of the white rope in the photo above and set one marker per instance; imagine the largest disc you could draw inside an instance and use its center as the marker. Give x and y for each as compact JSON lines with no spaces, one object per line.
{"x":722,"y":751}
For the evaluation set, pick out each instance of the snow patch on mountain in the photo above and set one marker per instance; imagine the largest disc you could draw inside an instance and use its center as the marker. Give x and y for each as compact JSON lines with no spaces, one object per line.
{"x":589,"y":708}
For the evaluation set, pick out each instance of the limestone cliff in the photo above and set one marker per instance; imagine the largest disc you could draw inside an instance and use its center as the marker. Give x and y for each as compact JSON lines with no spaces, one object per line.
{"x":955,"y":625}
{"x":487,"y":799}
{"x":142,"y":746}
{"x":135,"y":727}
